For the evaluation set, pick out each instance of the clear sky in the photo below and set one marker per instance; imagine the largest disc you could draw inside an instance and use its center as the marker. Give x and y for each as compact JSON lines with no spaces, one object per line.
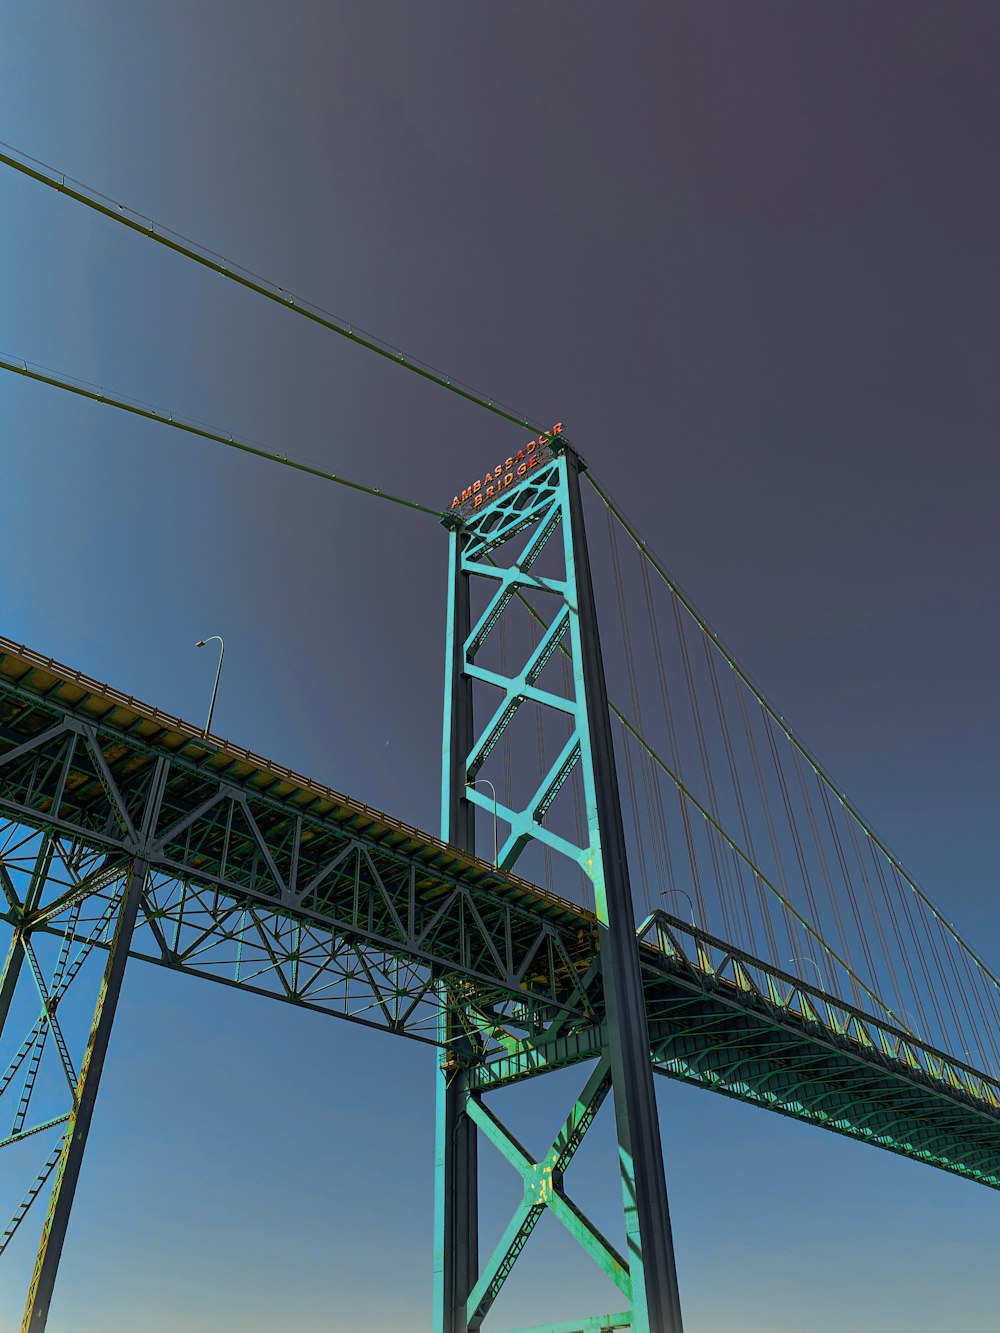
{"x":747,"y":252}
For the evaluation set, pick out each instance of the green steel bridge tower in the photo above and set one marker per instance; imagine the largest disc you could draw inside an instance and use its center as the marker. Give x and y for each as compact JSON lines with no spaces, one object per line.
{"x":544,"y":508}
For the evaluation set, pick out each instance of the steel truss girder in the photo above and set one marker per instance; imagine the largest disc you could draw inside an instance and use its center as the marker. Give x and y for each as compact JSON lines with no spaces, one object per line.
{"x":35,"y":693}
{"x":725,"y":1021}
{"x":230,"y":852}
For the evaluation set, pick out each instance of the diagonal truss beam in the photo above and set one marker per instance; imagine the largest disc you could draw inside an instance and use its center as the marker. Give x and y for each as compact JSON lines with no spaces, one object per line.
{"x":543,"y":1189}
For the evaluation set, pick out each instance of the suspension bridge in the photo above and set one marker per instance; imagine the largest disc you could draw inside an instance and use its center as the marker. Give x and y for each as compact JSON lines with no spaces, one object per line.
{"x":676,"y":887}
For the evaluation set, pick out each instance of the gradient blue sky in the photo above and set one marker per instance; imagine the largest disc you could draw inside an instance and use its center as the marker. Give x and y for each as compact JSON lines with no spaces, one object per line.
{"x":747,"y":252}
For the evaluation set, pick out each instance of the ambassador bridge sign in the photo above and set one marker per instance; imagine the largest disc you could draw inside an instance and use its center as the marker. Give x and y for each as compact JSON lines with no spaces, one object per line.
{"x":484,"y":490}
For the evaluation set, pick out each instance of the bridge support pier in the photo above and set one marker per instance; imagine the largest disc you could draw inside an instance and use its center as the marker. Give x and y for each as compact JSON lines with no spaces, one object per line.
{"x":36,"y":1310}
{"x":456,"y":1202}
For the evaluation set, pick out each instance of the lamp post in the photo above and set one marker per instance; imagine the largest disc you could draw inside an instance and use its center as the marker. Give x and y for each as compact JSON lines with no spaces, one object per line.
{"x":496,"y":847}
{"x":901,"y":1016}
{"x":793,"y":961}
{"x":215,"y":688}
{"x":665,"y":893}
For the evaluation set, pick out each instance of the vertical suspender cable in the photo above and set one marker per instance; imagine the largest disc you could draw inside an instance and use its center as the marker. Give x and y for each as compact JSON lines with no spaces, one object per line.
{"x":873,"y":909}
{"x":644,"y":828}
{"x":831,"y":894}
{"x":678,"y":766}
{"x":914,"y":994}
{"x":661,"y":813}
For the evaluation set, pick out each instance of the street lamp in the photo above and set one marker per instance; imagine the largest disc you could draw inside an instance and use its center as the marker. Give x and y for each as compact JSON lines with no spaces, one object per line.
{"x":215,"y":688}
{"x":901,"y":1016}
{"x":822,"y":980}
{"x":665,"y":893}
{"x":496,"y":847}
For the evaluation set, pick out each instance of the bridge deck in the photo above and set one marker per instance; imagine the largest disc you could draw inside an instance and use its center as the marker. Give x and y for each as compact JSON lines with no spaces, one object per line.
{"x":30,"y":674}
{"x":358,"y":914}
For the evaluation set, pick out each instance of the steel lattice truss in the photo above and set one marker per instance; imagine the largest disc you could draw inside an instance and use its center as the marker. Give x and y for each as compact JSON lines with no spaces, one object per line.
{"x":254,"y":877}
{"x":731,"y":1023}
{"x":269,"y":883}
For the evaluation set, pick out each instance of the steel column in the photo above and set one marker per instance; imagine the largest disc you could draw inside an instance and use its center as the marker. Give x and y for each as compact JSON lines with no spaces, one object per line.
{"x":16,"y":953}
{"x":655,"y":1296}
{"x":456,"y":1200}
{"x":9,"y":976}
{"x":36,"y":1310}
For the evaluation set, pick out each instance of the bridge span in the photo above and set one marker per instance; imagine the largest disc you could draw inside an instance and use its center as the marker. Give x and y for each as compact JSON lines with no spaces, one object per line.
{"x":259,"y":878}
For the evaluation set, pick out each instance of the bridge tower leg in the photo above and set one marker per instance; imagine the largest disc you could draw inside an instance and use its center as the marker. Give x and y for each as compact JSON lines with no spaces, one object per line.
{"x":43,"y":878}
{"x":36,"y":1310}
{"x":456,"y":1202}
{"x":655,"y":1297}
{"x":544,"y":499}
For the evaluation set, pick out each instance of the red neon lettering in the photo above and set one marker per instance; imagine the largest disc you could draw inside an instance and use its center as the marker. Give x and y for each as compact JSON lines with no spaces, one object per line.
{"x":522,"y":469}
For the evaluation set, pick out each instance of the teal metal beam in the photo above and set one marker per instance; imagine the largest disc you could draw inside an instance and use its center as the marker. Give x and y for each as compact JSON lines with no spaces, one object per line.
{"x":543,"y":1189}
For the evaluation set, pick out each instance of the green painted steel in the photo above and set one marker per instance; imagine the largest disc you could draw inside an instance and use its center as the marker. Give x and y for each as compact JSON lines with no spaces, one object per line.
{"x":538,"y":506}
{"x":728,"y":1022}
{"x":74,"y":1138}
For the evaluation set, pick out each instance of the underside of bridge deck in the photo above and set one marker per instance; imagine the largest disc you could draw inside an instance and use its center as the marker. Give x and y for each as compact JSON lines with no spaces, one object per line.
{"x":261,"y":879}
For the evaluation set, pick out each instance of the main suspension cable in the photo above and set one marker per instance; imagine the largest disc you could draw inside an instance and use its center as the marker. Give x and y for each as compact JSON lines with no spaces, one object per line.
{"x":142,"y":225}
{"x":182,"y":245}
{"x":99,"y":395}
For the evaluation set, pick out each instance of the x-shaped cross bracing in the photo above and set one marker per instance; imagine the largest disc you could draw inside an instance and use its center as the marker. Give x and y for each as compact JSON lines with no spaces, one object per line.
{"x":543,"y":1188}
